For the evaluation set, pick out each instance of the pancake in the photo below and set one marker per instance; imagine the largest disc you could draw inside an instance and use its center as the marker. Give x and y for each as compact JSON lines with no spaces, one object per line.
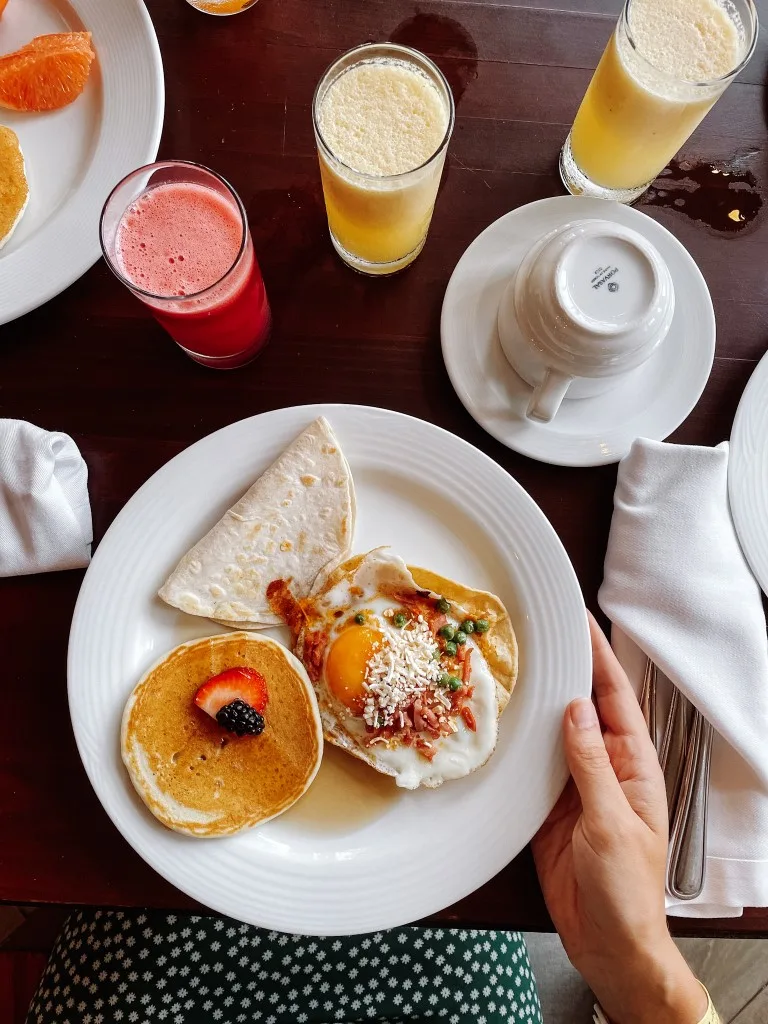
{"x":14,"y":189}
{"x":196,"y":777}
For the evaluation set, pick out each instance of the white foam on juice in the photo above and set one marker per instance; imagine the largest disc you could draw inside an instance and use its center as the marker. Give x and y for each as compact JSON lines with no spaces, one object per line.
{"x":694,"y":40}
{"x":383,"y":117}
{"x":178,"y":239}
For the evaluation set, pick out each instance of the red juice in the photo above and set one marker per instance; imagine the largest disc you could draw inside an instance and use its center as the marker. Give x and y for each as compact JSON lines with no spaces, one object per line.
{"x":181,"y":245}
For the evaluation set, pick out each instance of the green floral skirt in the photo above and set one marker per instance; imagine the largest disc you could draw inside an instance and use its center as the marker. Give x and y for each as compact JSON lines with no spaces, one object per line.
{"x":147,"y":967}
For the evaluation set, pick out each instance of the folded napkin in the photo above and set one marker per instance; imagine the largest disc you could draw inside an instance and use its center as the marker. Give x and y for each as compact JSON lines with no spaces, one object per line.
{"x":45,"y":515}
{"x":677,"y":586}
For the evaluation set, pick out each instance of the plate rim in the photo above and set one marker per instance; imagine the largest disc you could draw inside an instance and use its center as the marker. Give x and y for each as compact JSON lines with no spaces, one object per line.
{"x":739,"y":464}
{"x":68,"y":269}
{"x":552,"y":457}
{"x":567,"y":580}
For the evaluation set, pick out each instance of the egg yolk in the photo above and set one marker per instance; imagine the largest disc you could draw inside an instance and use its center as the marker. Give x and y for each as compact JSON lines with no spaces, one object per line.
{"x":347,"y":662}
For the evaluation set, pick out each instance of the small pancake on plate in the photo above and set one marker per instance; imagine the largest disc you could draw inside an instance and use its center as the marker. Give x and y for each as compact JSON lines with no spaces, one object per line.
{"x":411,"y":670}
{"x":14,"y":189}
{"x":195,"y":775}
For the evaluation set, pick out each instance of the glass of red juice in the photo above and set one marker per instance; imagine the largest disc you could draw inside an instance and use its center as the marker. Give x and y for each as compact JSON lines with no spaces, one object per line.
{"x":176,"y":234}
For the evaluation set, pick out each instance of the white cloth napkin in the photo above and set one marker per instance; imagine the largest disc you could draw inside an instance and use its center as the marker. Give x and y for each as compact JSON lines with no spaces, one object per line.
{"x":45,"y":514}
{"x":678,"y":587}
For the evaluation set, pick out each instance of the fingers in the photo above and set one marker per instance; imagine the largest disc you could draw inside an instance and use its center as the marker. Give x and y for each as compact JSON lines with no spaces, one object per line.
{"x":599,"y":789}
{"x":616,"y":699}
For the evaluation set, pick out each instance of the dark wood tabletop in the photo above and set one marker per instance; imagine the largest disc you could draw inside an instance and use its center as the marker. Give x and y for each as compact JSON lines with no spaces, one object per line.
{"x":93,"y":363}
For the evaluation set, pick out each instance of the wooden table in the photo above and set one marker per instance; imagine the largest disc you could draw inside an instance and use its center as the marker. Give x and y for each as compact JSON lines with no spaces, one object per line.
{"x":93,"y":363}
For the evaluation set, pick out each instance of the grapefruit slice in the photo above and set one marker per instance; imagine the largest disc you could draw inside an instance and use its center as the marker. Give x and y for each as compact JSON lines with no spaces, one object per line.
{"x":47,"y":73}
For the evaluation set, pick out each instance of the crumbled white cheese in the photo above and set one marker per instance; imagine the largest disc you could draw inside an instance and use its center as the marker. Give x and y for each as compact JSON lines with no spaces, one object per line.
{"x":402,"y":667}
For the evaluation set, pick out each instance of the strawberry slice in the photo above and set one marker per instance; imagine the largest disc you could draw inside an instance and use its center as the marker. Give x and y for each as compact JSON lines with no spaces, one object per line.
{"x":232,"y":684}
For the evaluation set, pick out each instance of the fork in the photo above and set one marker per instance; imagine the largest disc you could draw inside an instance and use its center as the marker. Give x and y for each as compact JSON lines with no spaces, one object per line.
{"x":685,"y":757}
{"x":673,"y":747}
{"x":648,"y":698}
{"x":688,"y":841}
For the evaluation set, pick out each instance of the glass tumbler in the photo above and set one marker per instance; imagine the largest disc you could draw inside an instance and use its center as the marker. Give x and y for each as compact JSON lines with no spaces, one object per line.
{"x":176,"y":234}
{"x":222,"y":8}
{"x":379,"y":222}
{"x":635,"y":116}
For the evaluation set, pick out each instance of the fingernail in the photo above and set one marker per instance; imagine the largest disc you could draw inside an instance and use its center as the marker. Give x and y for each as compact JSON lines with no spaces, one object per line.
{"x":583,"y":714}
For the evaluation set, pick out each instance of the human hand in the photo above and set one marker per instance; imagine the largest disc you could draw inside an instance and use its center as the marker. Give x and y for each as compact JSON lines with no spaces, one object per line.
{"x":601,"y":858}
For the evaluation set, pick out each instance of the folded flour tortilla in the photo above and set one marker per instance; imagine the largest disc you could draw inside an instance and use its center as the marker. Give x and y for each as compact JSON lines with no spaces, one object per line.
{"x":296,"y":522}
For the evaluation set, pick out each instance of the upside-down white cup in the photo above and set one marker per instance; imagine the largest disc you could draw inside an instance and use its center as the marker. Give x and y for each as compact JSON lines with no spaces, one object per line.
{"x":590,"y":302}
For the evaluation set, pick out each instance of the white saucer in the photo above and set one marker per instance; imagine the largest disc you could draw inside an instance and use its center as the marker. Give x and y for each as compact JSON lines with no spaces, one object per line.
{"x":651,"y":402}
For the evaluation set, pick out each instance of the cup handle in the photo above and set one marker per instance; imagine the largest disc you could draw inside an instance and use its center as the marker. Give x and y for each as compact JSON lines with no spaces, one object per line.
{"x":547,"y":395}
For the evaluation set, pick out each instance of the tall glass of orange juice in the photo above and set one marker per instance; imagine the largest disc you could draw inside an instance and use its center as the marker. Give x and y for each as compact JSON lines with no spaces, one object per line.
{"x":383,"y":116}
{"x":664,"y":67}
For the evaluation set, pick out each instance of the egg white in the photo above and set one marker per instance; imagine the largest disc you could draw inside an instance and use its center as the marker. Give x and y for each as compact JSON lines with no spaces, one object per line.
{"x":380,"y":573}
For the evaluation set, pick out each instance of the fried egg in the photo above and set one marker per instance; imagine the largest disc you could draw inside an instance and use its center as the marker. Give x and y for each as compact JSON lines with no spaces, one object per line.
{"x":370,"y":648}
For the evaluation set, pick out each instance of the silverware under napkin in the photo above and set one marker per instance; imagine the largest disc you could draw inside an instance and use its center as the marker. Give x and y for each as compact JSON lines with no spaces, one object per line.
{"x":684,"y":755}
{"x":688,"y":841}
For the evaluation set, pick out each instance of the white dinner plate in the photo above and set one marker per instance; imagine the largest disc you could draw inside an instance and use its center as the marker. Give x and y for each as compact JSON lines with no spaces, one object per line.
{"x":650,"y":402}
{"x":356,"y":854}
{"x":75,"y":156}
{"x":748,"y":473}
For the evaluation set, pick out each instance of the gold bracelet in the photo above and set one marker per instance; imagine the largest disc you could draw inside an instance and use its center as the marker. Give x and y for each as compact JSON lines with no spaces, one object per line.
{"x":710,"y":1017}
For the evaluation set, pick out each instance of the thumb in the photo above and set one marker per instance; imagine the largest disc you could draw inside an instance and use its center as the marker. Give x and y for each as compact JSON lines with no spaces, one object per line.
{"x":599,"y":789}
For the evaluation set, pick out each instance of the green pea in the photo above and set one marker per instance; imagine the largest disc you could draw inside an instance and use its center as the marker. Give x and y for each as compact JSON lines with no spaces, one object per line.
{"x":447,"y":632}
{"x":360,"y":618}
{"x":445,"y":679}
{"x":454,"y":684}
{"x":451,"y":648}
{"x":437,"y":655}
{"x":399,"y":620}
{"x":443,"y":606}
{"x":468,"y":625}
{"x":482,"y":626}
{"x":461,"y":637}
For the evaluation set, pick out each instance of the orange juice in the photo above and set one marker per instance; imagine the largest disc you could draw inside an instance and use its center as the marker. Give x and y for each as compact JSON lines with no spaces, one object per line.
{"x":222,"y":6}
{"x":664,"y":67}
{"x":382,"y":128}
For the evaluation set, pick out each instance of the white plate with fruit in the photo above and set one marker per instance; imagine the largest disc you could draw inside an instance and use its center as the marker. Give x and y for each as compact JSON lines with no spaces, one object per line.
{"x":85,"y":112}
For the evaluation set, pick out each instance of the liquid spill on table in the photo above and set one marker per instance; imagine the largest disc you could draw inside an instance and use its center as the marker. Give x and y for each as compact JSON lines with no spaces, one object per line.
{"x":451,"y":47}
{"x":724,"y":196}
{"x":447,"y":42}
{"x":345,"y":796}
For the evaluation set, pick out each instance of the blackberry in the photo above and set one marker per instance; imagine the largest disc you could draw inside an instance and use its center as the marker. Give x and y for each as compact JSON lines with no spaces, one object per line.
{"x":240,"y":718}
